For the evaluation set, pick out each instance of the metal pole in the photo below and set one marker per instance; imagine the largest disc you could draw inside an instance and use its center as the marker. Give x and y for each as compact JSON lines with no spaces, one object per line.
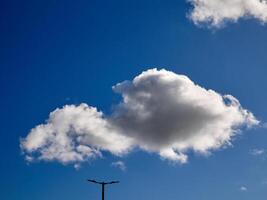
{"x":103,"y":191}
{"x":102,"y":185}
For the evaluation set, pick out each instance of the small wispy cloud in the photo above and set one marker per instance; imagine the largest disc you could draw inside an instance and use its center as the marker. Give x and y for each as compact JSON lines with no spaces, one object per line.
{"x":28,"y":158}
{"x":119,"y":164}
{"x":243,"y":188}
{"x":257,"y":152}
{"x":77,"y":166}
{"x":264,"y":125}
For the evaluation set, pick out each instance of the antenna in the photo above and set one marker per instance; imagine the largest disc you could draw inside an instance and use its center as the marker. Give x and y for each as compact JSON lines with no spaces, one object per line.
{"x":103,"y":185}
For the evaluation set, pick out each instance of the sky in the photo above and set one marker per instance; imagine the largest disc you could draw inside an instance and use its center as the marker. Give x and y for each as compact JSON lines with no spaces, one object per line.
{"x":168,"y":97}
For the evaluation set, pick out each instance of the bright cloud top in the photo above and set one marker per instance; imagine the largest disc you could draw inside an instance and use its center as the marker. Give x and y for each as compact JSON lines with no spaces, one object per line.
{"x":216,"y":12}
{"x":160,"y":112}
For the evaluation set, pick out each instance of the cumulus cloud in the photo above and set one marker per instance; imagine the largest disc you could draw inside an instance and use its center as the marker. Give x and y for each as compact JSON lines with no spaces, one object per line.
{"x":160,"y":112}
{"x":216,"y":12}
{"x":119,"y":164}
{"x":74,"y":134}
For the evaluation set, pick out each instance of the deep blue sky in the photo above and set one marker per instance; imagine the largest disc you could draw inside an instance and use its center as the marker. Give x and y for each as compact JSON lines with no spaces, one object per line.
{"x":64,"y":52}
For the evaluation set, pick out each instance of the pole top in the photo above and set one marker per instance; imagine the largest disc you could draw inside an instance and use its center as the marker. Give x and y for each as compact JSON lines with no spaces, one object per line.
{"x":102,"y":183}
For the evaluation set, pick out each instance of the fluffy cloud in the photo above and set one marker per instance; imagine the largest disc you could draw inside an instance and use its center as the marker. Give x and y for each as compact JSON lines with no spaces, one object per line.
{"x":216,"y":12}
{"x":160,"y":112}
{"x":74,"y":134}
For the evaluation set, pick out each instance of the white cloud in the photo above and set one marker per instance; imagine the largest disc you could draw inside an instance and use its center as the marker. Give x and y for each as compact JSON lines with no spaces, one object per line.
{"x":74,"y":134}
{"x":243,"y":188}
{"x":160,"y":112}
{"x":216,"y":12}
{"x":119,"y":164}
{"x":257,"y":152}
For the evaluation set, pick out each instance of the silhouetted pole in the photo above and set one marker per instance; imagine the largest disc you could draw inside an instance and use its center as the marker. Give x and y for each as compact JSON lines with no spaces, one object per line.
{"x":103,"y":191}
{"x":103,"y":186}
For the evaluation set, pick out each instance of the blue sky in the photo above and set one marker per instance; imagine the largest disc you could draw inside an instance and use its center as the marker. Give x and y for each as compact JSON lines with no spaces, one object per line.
{"x":58,"y":53}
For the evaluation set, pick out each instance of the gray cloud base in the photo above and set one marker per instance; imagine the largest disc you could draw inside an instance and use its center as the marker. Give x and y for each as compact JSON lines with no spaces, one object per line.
{"x":160,"y":112}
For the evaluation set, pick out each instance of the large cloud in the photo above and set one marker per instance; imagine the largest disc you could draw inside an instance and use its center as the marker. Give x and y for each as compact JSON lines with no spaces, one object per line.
{"x":160,"y":112}
{"x":216,"y":12}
